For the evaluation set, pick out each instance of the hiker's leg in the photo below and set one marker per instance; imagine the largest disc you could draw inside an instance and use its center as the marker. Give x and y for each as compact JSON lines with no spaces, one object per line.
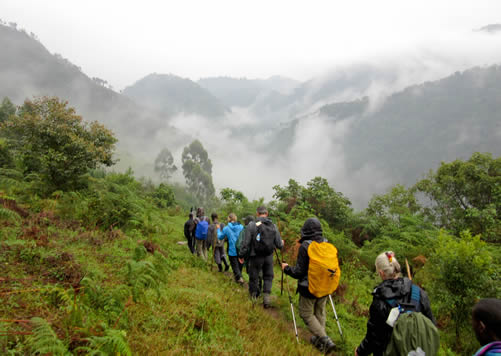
{"x":306,"y":311}
{"x":235,"y":267}
{"x":204,"y":250}
{"x":217,"y":255}
{"x":319,"y":310}
{"x":254,"y":267}
{"x":267,"y":273}
{"x":223,"y":258}
{"x":199,"y":246}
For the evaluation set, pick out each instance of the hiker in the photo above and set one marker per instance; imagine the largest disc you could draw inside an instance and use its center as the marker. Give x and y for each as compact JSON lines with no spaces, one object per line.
{"x":393,"y":292}
{"x":189,"y":231}
{"x":243,"y":260}
{"x":231,"y":232}
{"x":217,"y":245}
{"x":261,"y":239}
{"x":486,"y":321}
{"x":311,"y":307}
{"x":201,"y":233}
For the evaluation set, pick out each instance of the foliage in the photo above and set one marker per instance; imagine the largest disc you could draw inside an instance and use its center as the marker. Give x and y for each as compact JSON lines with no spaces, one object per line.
{"x":48,"y":138}
{"x":467,"y":195}
{"x":197,"y":170}
{"x":6,"y":109}
{"x":462,"y":268}
{"x":317,"y":197}
{"x":164,"y":164}
{"x":113,"y":342}
{"x":44,"y":340}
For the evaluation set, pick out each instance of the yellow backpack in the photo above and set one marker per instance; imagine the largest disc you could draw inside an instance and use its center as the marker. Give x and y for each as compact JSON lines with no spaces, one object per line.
{"x":323,"y":272}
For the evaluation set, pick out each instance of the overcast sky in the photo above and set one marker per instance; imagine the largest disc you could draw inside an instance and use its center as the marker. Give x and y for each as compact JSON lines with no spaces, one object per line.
{"x":122,"y":41}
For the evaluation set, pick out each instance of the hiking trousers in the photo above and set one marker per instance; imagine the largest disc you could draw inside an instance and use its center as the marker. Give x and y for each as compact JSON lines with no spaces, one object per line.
{"x":201,"y":249}
{"x":256,"y":265}
{"x":312,"y":311}
{"x":191,"y":243}
{"x":219,"y":254}
{"x":236,"y":267}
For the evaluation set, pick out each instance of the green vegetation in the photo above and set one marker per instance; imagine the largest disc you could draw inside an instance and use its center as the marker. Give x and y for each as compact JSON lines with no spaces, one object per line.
{"x":92,"y":264}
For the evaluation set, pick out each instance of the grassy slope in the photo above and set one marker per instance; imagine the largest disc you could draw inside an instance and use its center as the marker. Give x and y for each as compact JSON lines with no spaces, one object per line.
{"x":199,"y":311}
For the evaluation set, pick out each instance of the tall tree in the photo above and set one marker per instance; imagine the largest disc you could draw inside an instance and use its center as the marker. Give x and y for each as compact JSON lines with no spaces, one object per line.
{"x":49,"y":139}
{"x":197,"y":170}
{"x":164,"y":164}
{"x":466,"y":195}
{"x":6,"y":109}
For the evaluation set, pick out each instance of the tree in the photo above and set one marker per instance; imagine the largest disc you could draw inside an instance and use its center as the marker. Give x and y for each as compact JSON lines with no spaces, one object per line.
{"x":197,"y":170}
{"x":6,"y":109}
{"x":49,"y":139}
{"x":390,"y":207}
{"x":164,"y":164}
{"x":318,"y":197}
{"x":467,"y":195}
{"x":462,"y":269}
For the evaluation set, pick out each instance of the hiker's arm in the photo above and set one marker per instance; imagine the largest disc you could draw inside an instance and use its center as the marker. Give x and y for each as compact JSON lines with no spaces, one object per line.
{"x":377,"y":331}
{"x":301,"y":267}
{"x":426,"y":307}
{"x":221,"y":234}
{"x":245,"y":245}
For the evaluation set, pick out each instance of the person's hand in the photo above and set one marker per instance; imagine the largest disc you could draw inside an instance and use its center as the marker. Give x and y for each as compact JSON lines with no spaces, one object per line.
{"x":284,"y":265}
{"x":241,"y":260}
{"x":356,"y":353}
{"x":283,"y":243}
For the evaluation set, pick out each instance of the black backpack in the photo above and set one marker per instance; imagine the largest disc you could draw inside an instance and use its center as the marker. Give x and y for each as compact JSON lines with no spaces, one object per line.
{"x":264,"y":239}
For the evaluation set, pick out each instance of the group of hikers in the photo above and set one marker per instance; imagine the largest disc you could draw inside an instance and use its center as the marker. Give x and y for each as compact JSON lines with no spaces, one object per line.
{"x":400,"y":317}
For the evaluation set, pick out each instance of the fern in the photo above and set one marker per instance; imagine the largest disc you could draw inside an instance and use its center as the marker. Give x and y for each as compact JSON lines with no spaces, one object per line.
{"x":6,"y":214}
{"x":142,"y":275}
{"x":44,"y":340}
{"x":112,"y":343}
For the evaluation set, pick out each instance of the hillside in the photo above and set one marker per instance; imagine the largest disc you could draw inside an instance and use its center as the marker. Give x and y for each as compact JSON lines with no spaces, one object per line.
{"x":171,"y":95}
{"x":244,"y":92}
{"x":28,"y":69}
{"x":415,"y":129}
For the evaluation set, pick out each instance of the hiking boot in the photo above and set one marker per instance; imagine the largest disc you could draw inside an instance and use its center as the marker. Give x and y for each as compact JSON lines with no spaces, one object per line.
{"x":240,"y":281}
{"x":226,"y":267}
{"x":266,"y":300}
{"x":220,"y":268}
{"x":325,"y":344}
{"x":314,"y":340}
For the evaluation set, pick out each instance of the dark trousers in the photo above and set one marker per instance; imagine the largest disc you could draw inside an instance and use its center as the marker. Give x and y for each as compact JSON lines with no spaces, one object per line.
{"x":236,"y":266}
{"x":258,"y":265}
{"x":191,"y":243}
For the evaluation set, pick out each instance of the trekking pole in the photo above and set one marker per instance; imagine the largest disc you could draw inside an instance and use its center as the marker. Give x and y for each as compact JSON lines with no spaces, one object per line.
{"x":408,"y":269}
{"x":337,"y":320}
{"x":292,"y":309}
{"x":282,"y":281}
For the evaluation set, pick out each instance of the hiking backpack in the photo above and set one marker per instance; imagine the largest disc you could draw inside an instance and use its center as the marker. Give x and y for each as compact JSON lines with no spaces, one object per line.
{"x":240,"y":238}
{"x":201,"y":230}
{"x":323,"y":269}
{"x":413,"y":333}
{"x":264,"y":241}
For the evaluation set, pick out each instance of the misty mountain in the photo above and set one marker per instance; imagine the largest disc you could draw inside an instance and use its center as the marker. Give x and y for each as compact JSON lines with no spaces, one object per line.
{"x":172,"y":95}
{"x":417,"y":128}
{"x":28,"y":69}
{"x":243,"y":92}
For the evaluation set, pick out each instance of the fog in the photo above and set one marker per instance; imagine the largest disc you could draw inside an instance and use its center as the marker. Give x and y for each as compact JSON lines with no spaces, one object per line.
{"x":238,"y":143}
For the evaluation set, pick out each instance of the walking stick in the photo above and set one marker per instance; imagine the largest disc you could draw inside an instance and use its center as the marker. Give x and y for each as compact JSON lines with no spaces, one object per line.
{"x":290,"y":300}
{"x":337,"y":320}
{"x":282,"y":281}
{"x":408,"y":269}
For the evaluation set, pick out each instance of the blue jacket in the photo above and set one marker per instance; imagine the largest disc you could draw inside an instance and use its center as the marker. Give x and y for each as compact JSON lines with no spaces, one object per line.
{"x":231,"y":231}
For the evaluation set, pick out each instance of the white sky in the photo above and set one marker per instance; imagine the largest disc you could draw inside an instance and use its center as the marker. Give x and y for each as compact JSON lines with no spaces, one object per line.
{"x":122,"y":41}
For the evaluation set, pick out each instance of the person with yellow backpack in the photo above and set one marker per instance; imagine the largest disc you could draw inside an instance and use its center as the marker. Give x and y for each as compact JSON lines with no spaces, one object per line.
{"x":317,"y":271}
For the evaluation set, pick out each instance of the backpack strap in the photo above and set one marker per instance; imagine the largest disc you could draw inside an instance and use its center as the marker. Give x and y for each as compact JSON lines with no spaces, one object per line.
{"x":415,"y":297}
